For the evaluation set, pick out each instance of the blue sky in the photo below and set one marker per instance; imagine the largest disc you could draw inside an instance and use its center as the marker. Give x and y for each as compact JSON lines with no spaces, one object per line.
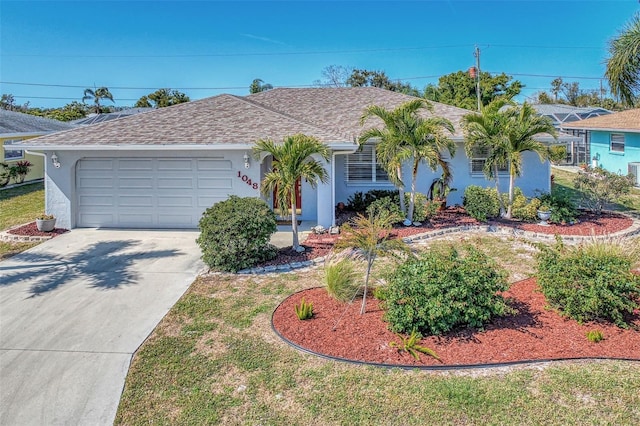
{"x":204,"y":48}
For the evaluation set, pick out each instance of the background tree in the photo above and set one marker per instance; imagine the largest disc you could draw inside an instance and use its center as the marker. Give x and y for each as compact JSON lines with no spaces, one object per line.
{"x":72,"y":111}
{"x":570,"y":93}
{"x":367,"y":78}
{"x":162,"y":98}
{"x":8,"y":102}
{"x":623,"y":63}
{"x":292,"y":160}
{"x":257,"y":86}
{"x":97,"y":95}
{"x":334,"y":76}
{"x":459,"y":89}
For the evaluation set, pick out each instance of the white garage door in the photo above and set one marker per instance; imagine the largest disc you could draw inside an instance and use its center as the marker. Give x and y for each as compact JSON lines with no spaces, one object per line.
{"x":149,"y":192}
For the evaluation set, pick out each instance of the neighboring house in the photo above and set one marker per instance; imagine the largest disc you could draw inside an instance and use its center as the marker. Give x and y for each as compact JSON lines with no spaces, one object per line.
{"x":615,"y":141}
{"x":108,"y":116}
{"x":16,"y":127}
{"x":163,"y":168}
{"x":561,"y":114}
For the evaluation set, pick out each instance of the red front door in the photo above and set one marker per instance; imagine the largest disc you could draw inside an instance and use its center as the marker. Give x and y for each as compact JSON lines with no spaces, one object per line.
{"x":298,"y":198}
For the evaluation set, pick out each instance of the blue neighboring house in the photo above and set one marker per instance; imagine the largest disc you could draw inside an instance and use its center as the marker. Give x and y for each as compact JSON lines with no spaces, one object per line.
{"x":615,"y":141}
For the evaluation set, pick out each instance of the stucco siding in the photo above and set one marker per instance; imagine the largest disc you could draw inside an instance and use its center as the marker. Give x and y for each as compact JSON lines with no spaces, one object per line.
{"x":616,"y":162}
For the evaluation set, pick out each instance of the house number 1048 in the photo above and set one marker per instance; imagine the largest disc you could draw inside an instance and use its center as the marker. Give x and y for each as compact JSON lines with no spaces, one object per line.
{"x":246,"y":179}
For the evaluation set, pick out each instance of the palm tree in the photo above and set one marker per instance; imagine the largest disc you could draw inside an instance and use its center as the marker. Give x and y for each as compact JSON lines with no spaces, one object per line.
{"x":487,"y":130}
{"x":523,"y":124}
{"x":623,"y":64}
{"x":97,"y":95}
{"x":372,"y":237}
{"x":292,"y":160}
{"x":408,"y":136}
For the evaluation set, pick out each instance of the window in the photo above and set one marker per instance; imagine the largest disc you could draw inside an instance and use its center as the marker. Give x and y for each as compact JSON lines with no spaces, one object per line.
{"x":478,"y":160}
{"x":617,"y":142}
{"x":12,"y":154}
{"x":362,"y":167}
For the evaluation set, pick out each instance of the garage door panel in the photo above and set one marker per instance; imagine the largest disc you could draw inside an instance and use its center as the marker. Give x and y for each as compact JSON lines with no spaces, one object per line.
{"x":203,"y":165}
{"x":150,"y":192}
{"x":214,"y":183}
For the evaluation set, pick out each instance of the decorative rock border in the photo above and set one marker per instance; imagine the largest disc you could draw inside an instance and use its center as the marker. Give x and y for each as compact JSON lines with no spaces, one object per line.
{"x":631,"y":231}
{"x":6,"y":236}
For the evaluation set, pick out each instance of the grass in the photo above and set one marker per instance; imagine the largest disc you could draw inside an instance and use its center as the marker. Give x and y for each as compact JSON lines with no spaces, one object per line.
{"x":564,"y":185}
{"x":17,"y":206}
{"x":21,"y":205}
{"x":215,"y":360}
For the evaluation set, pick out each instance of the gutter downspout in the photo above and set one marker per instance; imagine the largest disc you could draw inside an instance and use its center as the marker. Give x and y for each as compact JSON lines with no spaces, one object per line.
{"x":333,"y":188}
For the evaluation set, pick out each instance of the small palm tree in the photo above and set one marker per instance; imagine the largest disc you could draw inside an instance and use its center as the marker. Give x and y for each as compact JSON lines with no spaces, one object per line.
{"x":623,"y":64}
{"x":372,"y":237}
{"x":97,"y":95}
{"x":408,"y":136}
{"x":292,"y":161}
{"x":523,"y":124}
{"x":487,"y":130}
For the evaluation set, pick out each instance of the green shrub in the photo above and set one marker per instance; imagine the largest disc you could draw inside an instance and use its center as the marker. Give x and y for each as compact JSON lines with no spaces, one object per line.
{"x":444,"y":289}
{"x":563,"y":209}
{"x":235,"y":234}
{"x":387,"y":209}
{"x":304,"y":310}
{"x":589,"y":282}
{"x":356,"y":202}
{"x":595,"y":336}
{"x":481,"y":203}
{"x":423,"y":208}
{"x":341,"y":280}
{"x":523,"y":208}
{"x":359,"y":202}
{"x":600,"y":187}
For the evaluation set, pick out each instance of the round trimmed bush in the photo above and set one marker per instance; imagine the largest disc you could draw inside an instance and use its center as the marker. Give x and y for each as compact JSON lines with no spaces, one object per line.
{"x":235,"y":234}
{"x":445,"y":289}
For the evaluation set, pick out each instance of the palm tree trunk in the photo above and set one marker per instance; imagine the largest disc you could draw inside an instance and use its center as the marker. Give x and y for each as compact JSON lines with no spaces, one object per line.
{"x":370,"y":259}
{"x":403,"y":205}
{"x":294,"y":222}
{"x":412,"y":198}
{"x":502,"y":209}
{"x":512,"y":179}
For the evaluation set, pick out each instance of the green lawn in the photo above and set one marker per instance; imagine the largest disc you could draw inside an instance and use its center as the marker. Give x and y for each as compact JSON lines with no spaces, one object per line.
{"x":17,"y":206}
{"x":215,"y":360}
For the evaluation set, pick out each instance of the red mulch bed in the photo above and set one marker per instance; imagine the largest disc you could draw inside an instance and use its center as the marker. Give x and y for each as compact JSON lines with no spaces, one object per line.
{"x":31,"y":230}
{"x":318,"y":245}
{"x":534,"y":333}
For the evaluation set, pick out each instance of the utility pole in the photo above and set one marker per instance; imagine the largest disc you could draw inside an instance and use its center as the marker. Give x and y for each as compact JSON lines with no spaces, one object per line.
{"x":477,"y":55}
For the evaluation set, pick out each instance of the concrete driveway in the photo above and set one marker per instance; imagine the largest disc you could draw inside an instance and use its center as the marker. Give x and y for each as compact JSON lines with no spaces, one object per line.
{"x":74,"y":309}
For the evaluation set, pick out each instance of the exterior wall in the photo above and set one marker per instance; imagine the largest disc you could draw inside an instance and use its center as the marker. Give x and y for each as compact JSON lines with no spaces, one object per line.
{"x":616,"y":162}
{"x":60,"y":184}
{"x":535,"y":177}
{"x":37,"y":170}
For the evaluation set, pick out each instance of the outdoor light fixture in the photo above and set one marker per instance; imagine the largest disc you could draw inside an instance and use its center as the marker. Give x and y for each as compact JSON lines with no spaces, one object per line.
{"x":54,"y":160}
{"x":246,"y":160}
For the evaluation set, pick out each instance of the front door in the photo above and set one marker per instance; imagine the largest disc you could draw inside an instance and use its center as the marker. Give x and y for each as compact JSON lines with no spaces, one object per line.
{"x":298,"y":198}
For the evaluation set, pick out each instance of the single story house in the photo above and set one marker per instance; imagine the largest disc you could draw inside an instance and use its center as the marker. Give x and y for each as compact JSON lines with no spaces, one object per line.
{"x":163,"y":168}
{"x":16,"y":127}
{"x":615,"y":141}
{"x":561,"y":114}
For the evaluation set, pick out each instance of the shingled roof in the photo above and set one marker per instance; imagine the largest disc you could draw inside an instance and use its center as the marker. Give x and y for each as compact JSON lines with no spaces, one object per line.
{"x":12,"y":123}
{"x":341,"y":108}
{"x":621,"y":121}
{"x":330,"y":114}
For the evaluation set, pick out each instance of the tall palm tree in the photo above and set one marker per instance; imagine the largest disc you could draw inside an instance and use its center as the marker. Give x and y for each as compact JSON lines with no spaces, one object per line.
{"x":523,"y":124}
{"x":292,"y":160}
{"x":97,"y":95}
{"x":407,"y":136}
{"x":623,"y":64}
{"x":487,"y":130}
